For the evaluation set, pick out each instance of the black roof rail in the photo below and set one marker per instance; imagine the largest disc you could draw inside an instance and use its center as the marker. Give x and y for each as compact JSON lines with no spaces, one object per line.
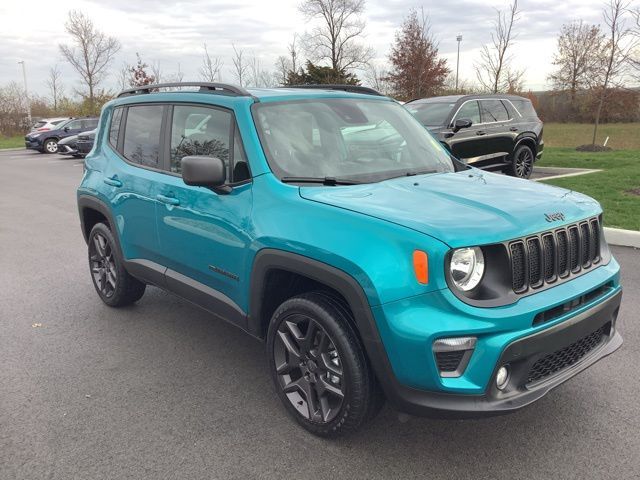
{"x":344,"y":88}
{"x":206,"y":87}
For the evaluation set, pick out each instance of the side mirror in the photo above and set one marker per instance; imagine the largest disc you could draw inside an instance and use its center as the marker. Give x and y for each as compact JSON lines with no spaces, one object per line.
{"x":201,"y":171}
{"x":66,"y":129}
{"x":461,"y":123}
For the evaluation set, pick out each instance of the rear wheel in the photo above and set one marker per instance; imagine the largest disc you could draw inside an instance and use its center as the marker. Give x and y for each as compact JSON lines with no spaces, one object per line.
{"x":113,"y":283}
{"x":319,"y":367}
{"x":521,"y":165}
{"x":50,"y":145}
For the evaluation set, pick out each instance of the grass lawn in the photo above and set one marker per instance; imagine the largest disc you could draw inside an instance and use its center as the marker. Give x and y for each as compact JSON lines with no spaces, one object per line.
{"x":11,"y":142}
{"x":622,"y":136}
{"x":611,"y":187}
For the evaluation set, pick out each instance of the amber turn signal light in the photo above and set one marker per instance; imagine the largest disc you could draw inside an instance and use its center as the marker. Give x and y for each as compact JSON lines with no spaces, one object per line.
{"x":421,"y":266}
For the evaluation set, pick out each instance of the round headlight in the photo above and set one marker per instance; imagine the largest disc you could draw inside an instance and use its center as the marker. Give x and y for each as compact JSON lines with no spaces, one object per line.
{"x":466,"y":268}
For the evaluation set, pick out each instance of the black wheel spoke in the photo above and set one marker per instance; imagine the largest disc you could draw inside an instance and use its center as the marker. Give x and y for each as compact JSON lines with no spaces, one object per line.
{"x":309,"y":368}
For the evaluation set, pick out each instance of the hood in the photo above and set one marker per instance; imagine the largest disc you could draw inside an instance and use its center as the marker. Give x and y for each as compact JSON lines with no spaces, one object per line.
{"x":472,"y":207}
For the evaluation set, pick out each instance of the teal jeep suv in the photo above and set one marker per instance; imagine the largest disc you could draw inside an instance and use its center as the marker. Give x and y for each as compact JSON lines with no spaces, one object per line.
{"x":329,"y":224}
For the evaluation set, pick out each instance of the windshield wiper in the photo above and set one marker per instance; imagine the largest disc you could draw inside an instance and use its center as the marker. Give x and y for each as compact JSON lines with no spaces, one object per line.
{"x":330,"y":181}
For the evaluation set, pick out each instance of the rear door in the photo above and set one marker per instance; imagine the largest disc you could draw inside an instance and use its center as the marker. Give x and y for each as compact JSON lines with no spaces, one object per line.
{"x":498,"y":139}
{"x":132,"y":177}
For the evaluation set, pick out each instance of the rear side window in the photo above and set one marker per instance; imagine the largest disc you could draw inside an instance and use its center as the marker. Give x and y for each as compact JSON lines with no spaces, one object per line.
{"x":114,"y":127}
{"x":90,"y":123}
{"x":525,"y":107}
{"x":142,"y":135}
{"x":493,"y":111}
{"x":469,"y":111}
{"x":199,"y":131}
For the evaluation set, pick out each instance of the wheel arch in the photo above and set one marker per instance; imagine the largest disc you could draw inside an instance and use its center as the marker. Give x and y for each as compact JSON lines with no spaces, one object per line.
{"x":273,"y":260}
{"x":93,"y":210}
{"x":529,"y":142}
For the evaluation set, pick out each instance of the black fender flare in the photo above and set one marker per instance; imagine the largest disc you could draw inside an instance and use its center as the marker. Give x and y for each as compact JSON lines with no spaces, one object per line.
{"x":526,"y":138}
{"x":271,"y":259}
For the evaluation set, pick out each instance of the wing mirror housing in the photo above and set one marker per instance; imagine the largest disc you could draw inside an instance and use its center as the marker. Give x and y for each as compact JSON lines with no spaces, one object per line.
{"x":461,"y":123}
{"x":201,"y":171}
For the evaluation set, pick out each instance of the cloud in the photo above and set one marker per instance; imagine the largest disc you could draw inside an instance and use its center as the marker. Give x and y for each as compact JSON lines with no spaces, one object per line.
{"x":172,"y":33}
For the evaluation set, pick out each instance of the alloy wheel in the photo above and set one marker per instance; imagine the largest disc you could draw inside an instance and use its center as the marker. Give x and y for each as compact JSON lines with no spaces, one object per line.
{"x":309,"y":368}
{"x":524,"y":163}
{"x":102,"y":264}
{"x":51,"y":146}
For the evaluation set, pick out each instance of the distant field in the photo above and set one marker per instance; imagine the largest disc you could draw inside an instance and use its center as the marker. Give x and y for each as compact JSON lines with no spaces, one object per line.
{"x":11,"y":142}
{"x":622,"y":136}
{"x":617,"y":187}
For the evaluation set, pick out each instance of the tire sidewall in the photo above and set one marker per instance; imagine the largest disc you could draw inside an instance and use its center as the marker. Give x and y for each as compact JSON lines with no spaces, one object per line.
{"x":348,"y":354}
{"x":515,"y":158}
{"x":102,"y":229}
{"x":46,"y":142}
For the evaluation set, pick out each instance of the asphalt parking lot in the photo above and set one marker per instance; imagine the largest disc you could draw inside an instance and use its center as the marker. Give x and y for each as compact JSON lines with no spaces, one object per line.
{"x":162,"y":390}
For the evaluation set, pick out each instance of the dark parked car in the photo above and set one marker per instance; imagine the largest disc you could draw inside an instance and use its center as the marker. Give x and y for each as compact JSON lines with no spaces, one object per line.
{"x":84,"y":142}
{"x":494,"y":132}
{"x":47,"y":141}
{"x":67,"y":146}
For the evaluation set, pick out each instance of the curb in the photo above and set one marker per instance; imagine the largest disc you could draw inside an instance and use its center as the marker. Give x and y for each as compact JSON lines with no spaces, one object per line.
{"x":623,"y":238}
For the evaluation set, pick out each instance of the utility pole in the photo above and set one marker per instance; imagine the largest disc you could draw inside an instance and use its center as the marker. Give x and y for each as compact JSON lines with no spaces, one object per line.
{"x":458,"y":39}
{"x":26,"y":92}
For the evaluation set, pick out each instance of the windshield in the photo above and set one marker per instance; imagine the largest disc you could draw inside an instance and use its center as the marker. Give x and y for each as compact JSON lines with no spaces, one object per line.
{"x":431,"y":114}
{"x":357,"y":139}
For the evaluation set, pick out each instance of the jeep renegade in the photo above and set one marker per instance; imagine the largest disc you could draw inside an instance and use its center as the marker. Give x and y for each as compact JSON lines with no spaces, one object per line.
{"x":328,"y":223}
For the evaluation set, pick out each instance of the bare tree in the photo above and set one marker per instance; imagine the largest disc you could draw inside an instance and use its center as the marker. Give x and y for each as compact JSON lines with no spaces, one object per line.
{"x":54,"y":83}
{"x":210,"y":69}
{"x":494,"y":69}
{"x":634,"y":58}
{"x":240,"y":65}
{"x":123,"y":76}
{"x":286,"y":65}
{"x":578,"y":58}
{"x":91,"y":51}
{"x":618,"y":51}
{"x":258,"y":77}
{"x":335,"y":39}
{"x":156,"y":71}
{"x":377,"y":77}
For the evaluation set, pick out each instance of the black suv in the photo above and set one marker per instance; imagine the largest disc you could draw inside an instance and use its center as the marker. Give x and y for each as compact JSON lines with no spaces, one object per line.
{"x":47,"y":142}
{"x":494,"y":132}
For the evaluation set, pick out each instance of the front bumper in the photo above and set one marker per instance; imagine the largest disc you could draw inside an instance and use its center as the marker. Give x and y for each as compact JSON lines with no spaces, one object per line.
{"x":505,"y":335}
{"x":32,"y":144}
{"x":521,"y":355}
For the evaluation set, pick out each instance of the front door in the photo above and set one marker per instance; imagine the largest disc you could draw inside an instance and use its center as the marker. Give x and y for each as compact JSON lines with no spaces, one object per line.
{"x":465,"y":144}
{"x":205,"y":235}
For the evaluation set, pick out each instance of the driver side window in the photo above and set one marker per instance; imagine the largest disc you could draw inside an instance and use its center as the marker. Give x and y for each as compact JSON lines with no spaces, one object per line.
{"x":469,"y":111}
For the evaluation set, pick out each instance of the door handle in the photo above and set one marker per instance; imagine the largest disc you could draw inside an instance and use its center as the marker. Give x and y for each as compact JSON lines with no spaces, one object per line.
{"x":481,"y":132}
{"x":168,"y":200}
{"x":113,"y":181}
{"x":514,"y":129}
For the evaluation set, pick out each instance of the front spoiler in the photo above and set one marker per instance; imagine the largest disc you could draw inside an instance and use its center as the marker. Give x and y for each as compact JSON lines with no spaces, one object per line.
{"x":520,"y":354}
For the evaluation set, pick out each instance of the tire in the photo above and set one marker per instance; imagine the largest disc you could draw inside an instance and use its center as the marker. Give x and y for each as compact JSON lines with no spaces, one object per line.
{"x":111,"y":280}
{"x":521,"y":163}
{"x":50,"y":145}
{"x":319,"y":367}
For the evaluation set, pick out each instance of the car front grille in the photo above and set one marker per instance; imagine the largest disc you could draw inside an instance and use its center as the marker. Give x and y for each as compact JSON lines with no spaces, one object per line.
{"x":567,"y":356}
{"x":543,"y":258}
{"x":449,"y":361}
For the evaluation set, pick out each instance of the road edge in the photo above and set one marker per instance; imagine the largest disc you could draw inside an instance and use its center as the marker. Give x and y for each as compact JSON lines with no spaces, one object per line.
{"x":622,"y":238}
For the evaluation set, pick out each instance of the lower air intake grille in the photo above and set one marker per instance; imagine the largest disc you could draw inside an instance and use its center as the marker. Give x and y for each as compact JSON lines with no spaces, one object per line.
{"x":567,"y":356}
{"x":449,"y":361}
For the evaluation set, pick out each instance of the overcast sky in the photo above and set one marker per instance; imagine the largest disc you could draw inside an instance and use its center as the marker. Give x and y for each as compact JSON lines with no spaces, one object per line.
{"x":172,"y":32}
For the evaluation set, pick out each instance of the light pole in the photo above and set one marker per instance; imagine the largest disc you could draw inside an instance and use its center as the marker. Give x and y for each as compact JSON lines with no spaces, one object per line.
{"x":26,"y":91}
{"x":458,"y":39}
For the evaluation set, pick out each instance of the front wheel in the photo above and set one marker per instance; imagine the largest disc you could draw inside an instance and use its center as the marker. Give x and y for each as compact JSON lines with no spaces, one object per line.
{"x":113,"y":283}
{"x":50,"y":146}
{"x":318,"y":366}
{"x":521,"y":164}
